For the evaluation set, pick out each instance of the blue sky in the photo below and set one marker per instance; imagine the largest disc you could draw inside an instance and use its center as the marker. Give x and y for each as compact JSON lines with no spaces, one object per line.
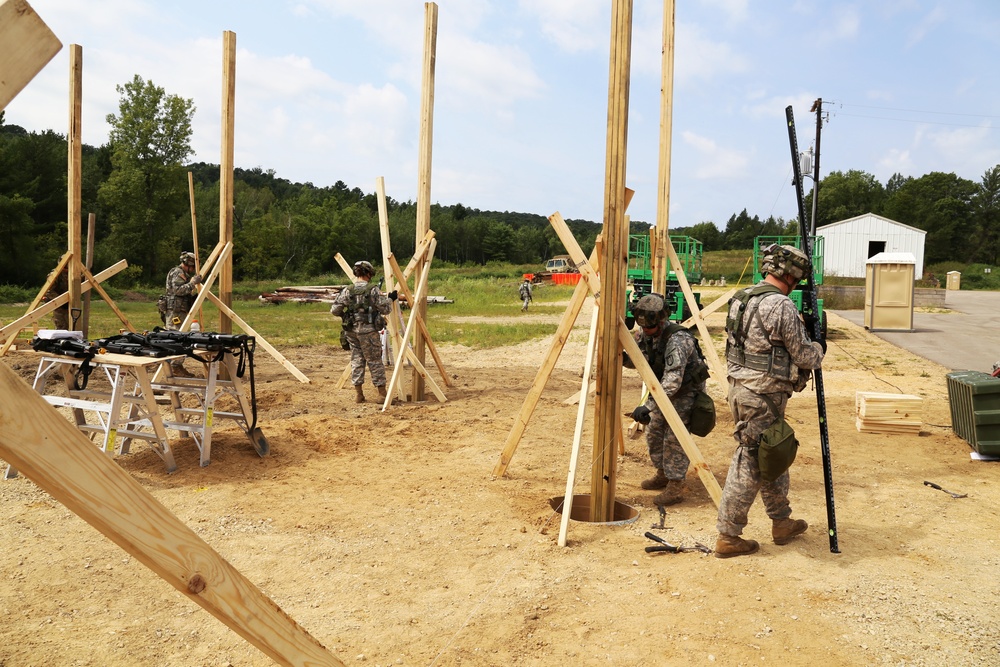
{"x":329,"y":90}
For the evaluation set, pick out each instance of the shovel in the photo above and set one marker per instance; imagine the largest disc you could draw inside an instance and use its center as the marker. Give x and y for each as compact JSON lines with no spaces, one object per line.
{"x":953,"y":495}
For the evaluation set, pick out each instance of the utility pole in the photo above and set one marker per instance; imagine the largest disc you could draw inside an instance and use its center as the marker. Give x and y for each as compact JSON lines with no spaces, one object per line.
{"x":818,"y":108}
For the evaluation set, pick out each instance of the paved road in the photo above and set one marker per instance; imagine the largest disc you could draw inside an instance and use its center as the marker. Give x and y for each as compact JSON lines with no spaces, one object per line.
{"x":967,"y":338}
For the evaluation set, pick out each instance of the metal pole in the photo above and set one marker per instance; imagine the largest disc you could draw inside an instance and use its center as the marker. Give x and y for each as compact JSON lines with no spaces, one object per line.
{"x":818,"y":108}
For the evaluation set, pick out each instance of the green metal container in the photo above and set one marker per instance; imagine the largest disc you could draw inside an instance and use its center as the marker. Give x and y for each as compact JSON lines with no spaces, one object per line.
{"x":974,"y":399}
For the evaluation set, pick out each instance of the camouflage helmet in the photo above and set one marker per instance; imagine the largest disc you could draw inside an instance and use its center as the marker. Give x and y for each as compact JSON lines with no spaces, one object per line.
{"x":364,"y":268}
{"x":649,"y":311}
{"x":782,"y":260}
{"x":187,"y":258}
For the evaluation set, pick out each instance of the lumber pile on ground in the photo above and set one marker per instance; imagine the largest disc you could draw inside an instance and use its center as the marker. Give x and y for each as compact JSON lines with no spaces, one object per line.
{"x":305,"y":294}
{"x":888,"y":413}
{"x":323,"y":294}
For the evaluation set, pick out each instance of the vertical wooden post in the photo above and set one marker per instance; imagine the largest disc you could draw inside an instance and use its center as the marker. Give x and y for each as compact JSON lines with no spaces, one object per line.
{"x":666,"y":133}
{"x":89,"y":263}
{"x":613,"y":263}
{"x":75,"y":170}
{"x":424,"y":178}
{"x":226,"y":173}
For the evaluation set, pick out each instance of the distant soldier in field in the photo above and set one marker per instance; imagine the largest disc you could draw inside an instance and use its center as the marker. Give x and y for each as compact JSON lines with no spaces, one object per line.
{"x":525,"y":292}
{"x":181,"y":283}
{"x":362,"y":307}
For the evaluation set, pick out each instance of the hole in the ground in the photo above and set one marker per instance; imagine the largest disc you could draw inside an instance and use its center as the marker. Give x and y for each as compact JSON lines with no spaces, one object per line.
{"x":580,"y":510}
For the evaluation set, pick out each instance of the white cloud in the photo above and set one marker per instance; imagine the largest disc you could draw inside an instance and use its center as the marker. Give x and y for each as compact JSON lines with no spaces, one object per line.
{"x":930,"y":21}
{"x":714,"y":160}
{"x":574,"y":26}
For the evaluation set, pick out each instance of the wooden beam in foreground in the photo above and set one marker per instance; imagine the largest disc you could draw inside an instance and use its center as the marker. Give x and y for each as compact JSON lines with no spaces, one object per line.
{"x":26,"y":46}
{"x":49,"y":450}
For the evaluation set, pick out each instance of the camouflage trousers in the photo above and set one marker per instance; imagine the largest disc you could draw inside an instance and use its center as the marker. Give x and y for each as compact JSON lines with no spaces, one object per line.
{"x":366,"y":348}
{"x":665,"y":451}
{"x":169,"y":325}
{"x":752,"y":417}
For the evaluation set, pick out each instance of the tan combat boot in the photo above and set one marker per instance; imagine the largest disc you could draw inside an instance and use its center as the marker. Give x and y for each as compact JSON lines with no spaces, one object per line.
{"x":783,"y":530}
{"x":360,"y":398}
{"x":381,"y":391}
{"x":728,"y":546}
{"x":657,"y":481}
{"x":672,"y":494}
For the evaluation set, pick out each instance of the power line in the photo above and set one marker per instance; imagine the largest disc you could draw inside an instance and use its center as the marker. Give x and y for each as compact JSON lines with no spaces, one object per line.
{"x":936,"y":113}
{"x":922,"y":122}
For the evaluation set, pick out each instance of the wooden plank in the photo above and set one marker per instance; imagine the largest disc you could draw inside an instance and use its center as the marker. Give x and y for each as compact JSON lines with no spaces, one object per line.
{"x":345,"y":267}
{"x":393,"y":321}
{"x":661,"y":232}
{"x":280,"y":358}
{"x":60,"y":300}
{"x":707,"y":347}
{"x":26,"y":46}
{"x":226,"y":166}
{"x":50,"y":451}
{"x":104,"y":295}
{"x":420,"y":322}
{"x":88,"y":261}
{"x":588,"y":363}
{"x":673,"y":419}
{"x":559,"y":339}
{"x":719,"y":302}
{"x":418,"y":254}
{"x":74,"y":177}
{"x":53,"y":275}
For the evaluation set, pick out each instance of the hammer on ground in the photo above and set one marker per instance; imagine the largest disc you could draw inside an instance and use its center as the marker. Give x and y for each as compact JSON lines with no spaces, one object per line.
{"x":953,"y":495}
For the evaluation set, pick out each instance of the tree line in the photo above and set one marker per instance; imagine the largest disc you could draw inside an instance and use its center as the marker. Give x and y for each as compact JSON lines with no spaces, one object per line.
{"x":137,"y":187}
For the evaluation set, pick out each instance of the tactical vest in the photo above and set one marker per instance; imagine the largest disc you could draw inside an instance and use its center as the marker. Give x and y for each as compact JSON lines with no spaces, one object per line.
{"x":654,"y":349}
{"x":359,"y":308}
{"x":777,"y":363}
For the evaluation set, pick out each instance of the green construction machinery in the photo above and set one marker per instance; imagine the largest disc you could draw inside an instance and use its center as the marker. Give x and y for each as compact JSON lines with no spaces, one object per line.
{"x":640,"y":273}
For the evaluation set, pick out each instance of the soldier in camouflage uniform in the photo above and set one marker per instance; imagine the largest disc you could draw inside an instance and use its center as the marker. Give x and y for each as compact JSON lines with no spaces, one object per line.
{"x":362,"y":306}
{"x":672,"y":356}
{"x":769,"y":357}
{"x":181,"y":283}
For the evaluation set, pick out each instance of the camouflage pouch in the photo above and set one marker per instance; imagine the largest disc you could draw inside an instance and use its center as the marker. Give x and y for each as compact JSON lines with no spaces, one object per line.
{"x":778,"y":446}
{"x":344,"y":342}
{"x":702,"y":415}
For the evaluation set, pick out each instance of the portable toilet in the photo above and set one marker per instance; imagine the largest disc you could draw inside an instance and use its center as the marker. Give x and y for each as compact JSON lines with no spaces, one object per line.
{"x":954,"y":280}
{"x":889,"y":280}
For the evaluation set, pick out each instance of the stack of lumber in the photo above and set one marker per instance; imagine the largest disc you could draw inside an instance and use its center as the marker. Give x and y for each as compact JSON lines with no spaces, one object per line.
{"x":306,"y":294}
{"x":323,"y":294}
{"x":888,"y":413}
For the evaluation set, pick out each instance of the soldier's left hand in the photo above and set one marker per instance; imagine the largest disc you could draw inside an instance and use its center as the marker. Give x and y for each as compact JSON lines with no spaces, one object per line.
{"x":641,"y":414}
{"x":393,"y":295}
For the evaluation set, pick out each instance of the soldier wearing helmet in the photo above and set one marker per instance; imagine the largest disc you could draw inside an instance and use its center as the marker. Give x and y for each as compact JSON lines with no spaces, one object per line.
{"x":362,"y":306}
{"x":671,"y":352}
{"x":769,"y":357}
{"x":182,"y":282}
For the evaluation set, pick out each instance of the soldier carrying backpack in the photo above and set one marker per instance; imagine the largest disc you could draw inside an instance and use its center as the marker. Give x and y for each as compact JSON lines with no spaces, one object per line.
{"x":362,"y":307}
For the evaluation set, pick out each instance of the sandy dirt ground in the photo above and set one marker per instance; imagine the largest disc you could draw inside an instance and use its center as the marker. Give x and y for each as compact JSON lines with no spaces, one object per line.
{"x":385,"y":536}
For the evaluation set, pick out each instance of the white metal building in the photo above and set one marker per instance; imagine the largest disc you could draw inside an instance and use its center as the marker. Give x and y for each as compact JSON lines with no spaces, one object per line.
{"x":849,"y":243}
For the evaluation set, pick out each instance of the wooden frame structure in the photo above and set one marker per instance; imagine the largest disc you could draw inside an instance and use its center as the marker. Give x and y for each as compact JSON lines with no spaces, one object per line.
{"x":605,"y":281}
{"x":50,"y":451}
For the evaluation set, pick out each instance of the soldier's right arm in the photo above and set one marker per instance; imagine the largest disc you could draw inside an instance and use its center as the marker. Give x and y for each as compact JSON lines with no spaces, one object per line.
{"x":789,"y":327}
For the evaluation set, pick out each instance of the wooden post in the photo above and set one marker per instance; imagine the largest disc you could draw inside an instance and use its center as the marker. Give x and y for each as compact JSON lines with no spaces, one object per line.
{"x":26,"y":45}
{"x":424,"y":176}
{"x":88,"y":262}
{"x":51,"y":452}
{"x":194,"y":234}
{"x":226,"y":173}
{"x":74,"y":142}
{"x":613,"y":262}
{"x":662,"y":232}
{"x":578,"y":432}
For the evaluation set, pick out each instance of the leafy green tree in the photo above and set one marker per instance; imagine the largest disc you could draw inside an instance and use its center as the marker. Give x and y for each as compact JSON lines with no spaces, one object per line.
{"x":843,"y":196}
{"x":146,"y":196}
{"x":940,"y":204}
{"x":710,"y":236}
{"x":987,"y":213}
